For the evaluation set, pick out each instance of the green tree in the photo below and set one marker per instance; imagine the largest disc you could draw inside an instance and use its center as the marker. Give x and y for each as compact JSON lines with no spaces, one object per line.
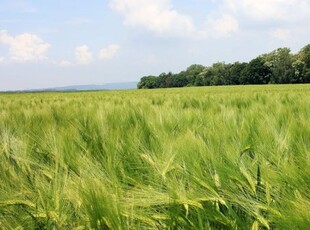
{"x":256,"y":72}
{"x":236,"y":71}
{"x":278,"y":66}
{"x":165,"y":80}
{"x":217,"y":74}
{"x":148,"y":82}
{"x":179,"y":80}
{"x":301,"y":65}
{"x":192,"y":73}
{"x":280,"y":62}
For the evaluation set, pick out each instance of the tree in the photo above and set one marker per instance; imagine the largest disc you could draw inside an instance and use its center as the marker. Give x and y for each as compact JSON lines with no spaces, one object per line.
{"x":165,"y":80}
{"x":236,"y":71}
{"x":192,"y":73}
{"x":256,"y":72}
{"x":148,"y":82}
{"x":301,"y":65}
{"x":278,"y":66}
{"x":304,"y":55}
{"x":280,"y":62}
{"x":179,"y":80}
{"x":217,"y":74}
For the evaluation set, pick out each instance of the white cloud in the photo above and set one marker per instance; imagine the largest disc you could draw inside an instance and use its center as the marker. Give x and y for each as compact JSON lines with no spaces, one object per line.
{"x":82,"y":55}
{"x":155,"y":15}
{"x":161,"y":18}
{"x":109,"y":52}
{"x":278,"y":18}
{"x":24,"y":47}
{"x":65,"y":64}
{"x":269,"y":9}
{"x":223,"y":26}
{"x":2,"y":59}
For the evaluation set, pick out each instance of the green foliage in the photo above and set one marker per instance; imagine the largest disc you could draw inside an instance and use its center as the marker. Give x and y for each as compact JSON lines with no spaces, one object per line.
{"x":280,"y":62}
{"x":236,"y":74}
{"x":148,"y":82}
{"x":191,"y":158}
{"x":302,"y":65}
{"x":256,"y":72}
{"x":276,"y":67}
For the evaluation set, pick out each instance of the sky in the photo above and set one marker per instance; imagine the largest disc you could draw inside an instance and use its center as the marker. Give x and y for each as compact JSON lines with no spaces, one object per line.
{"x":49,"y":43}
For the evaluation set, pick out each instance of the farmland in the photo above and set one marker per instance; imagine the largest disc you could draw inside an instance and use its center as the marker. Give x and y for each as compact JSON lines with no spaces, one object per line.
{"x":234,"y":157}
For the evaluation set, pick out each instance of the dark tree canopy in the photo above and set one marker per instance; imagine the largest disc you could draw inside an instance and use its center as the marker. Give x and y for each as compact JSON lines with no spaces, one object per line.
{"x":277,"y":67}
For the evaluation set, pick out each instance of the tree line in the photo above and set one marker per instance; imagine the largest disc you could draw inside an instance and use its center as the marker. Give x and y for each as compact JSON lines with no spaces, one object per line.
{"x":277,"y":67}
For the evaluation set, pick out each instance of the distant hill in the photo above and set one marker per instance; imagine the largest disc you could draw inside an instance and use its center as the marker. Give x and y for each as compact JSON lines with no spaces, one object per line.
{"x":107,"y":86}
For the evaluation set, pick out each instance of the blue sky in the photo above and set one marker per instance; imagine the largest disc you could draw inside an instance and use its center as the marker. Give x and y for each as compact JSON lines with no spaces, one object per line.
{"x":47,"y":43}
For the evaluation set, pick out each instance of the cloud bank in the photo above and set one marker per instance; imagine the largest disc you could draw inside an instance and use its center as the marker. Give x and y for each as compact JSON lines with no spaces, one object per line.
{"x":161,"y":18}
{"x":109,"y":52}
{"x":24,"y":47}
{"x":269,"y":9}
{"x":83,"y":55}
{"x":157,"y":16}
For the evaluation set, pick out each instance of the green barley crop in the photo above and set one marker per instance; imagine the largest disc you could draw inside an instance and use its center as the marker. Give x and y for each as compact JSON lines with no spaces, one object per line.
{"x":190,"y":158}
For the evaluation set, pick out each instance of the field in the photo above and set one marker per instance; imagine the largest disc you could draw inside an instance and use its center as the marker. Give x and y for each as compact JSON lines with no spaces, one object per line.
{"x":191,"y":158}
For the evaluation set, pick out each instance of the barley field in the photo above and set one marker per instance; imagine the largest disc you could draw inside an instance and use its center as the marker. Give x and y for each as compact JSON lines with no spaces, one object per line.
{"x":234,"y":157}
